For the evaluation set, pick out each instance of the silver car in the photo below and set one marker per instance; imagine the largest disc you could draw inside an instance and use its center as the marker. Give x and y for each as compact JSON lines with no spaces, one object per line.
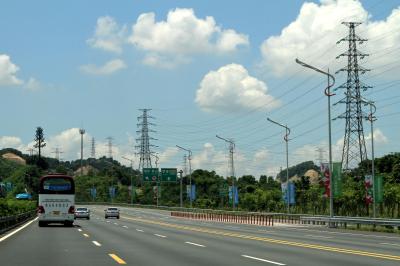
{"x":111,"y":212}
{"x":82,"y":212}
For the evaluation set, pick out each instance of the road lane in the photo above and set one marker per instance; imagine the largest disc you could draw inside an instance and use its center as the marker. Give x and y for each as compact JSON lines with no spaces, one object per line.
{"x":52,"y":245}
{"x":230,"y":247}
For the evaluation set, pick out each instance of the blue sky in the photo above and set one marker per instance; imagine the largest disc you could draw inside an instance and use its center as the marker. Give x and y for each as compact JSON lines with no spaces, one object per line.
{"x":204,"y":67}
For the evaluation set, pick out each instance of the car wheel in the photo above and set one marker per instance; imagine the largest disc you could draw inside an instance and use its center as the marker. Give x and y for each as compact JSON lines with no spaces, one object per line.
{"x":88,"y":218}
{"x":118,"y":217}
{"x":41,"y":224}
{"x":68,"y":223}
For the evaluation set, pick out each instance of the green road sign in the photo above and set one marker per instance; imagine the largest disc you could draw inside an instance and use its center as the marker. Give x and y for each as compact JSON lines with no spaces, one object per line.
{"x":378,"y":186}
{"x":150,"y":174}
{"x":337,"y":179}
{"x":168,"y":174}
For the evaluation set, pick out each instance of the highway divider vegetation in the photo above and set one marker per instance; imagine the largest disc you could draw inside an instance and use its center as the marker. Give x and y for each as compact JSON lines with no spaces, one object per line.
{"x":261,"y":194}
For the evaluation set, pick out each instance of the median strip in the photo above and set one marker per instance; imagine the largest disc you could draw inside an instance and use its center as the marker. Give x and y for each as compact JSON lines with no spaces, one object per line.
{"x":269,"y":261}
{"x":117,"y":259}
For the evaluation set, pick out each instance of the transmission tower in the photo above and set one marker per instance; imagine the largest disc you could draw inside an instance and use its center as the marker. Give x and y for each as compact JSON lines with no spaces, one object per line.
{"x":109,"y":145}
{"x":321,"y":153}
{"x":354,"y":150}
{"x":93,"y":148}
{"x":144,"y":139}
{"x":57,"y":151}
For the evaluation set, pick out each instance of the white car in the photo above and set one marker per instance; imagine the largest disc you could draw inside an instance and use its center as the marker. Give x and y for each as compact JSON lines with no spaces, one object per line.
{"x":111,"y":212}
{"x":82,"y":212}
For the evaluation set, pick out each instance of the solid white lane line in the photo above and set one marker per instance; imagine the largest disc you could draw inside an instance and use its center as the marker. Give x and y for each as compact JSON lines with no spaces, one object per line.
{"x":269,"y":261}
{"x":391,"y":244}
{"x":17,"y":230}
{"x":160,"y":235}
{"x":315,"y":236}
{"x":139,"y":230}
{"x":195,"y":244}
{"x":125,"y":226}
{"x":86,"y":235}
{"x":96,"y":243}
{"x":80,"y":230}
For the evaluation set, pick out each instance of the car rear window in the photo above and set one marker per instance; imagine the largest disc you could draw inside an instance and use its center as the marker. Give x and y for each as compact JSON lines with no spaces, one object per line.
{"x":112,"y":209}
{"x":81,"y":209}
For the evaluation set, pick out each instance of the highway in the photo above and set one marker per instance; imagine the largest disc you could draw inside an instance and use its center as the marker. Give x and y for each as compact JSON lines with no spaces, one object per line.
{"x":153,"y":237}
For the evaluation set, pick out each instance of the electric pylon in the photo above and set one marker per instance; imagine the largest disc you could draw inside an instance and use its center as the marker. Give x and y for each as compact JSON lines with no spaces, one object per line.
{"x":109,"y":145}
{"x":144,"y":139}
{"x":93,"y":148}
{"x":354,"y":150}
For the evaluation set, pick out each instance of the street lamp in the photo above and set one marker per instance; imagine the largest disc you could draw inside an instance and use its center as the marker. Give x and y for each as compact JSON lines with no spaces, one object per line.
{"x":286,"y":138}
{"x":190,"y":171}
{"x":132,"y":191}
{"x":329,"y":95}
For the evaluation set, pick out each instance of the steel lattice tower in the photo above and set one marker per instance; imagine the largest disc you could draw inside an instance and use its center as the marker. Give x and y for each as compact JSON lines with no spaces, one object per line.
{"x":144,"y":139}
{"x":354,"y":150}
{"x":109,"y":145}
{"x":93,"y":148}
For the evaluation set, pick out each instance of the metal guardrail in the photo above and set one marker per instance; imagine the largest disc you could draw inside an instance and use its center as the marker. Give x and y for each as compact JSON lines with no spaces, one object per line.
{"x":9,"y":222}
{"x":344,"y":221}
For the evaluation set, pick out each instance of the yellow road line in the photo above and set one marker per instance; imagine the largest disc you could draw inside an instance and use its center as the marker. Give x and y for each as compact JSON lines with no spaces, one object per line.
{"x":117,"y":259}
{"x":270,"y":240}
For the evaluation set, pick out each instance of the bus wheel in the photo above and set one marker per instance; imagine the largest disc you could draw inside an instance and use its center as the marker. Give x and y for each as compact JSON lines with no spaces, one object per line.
{"x":41,"y":224}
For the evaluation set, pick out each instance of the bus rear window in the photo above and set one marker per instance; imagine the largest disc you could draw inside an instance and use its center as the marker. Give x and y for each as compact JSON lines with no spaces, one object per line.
{"x":57,"y":185}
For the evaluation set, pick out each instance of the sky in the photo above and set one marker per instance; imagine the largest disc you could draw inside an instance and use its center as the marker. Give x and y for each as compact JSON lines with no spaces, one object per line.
{"x":203,"y":68}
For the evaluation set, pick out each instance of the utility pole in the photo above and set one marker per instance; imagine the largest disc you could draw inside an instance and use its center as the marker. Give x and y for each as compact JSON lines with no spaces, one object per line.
{"x":329,"y":95}
{"x":82,"y":132}
{"x":190,"y":172}
{"x":354,"y":150}
{"x":286,"y":138}
{"x":132,"y":187}
{"x":110,"y":146}
{"x":231,"y":167}
{"x":30,"y":150}
{"x":158,"y":183}
{"x":185,"y":165}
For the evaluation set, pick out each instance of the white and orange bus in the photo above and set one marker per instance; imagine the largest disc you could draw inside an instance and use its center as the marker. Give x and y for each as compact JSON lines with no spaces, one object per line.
{"x":56,"y":200}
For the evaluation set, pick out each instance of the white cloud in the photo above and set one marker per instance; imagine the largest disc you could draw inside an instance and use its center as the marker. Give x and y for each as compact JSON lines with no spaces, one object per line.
{"x":10,"y":142}
{"x":33,"y":85}
{"x":182,"y":34}
{"x":108,"y":36}
{"x":379,"y":137}
{"x":231,"y":88}
{"x":167,"y":154}
{"x":8,"y":71}
{"x":107,"y":69}
{"x":314,"y":33}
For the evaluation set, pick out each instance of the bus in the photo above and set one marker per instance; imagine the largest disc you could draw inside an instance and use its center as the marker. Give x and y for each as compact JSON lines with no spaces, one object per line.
{"x":56,"y":200}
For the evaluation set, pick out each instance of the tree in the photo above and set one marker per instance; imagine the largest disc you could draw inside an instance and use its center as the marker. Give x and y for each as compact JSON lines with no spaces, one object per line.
{"x":39,"y":139}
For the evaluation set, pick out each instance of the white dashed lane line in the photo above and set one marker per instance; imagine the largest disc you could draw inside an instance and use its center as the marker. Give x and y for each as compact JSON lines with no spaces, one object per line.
{"x":96,"y":243}
{"x":391,"y":244}
{"x":160,"y":235}
{"x":264,"y":260}
{"x":315,"y":236}
{"x":86,"y":235}
{"x":139,"y":230}
{"x":195,"y":244}
{"x":125,"y":226}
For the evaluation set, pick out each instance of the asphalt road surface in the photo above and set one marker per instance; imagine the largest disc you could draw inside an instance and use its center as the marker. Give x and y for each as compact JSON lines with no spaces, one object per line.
{"x":153,"y":237}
